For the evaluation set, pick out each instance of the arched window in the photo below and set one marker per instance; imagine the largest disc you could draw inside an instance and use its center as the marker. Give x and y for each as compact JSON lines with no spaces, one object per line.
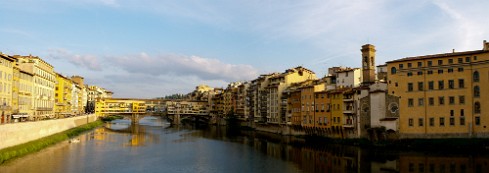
{"x":393,"y":70}
{"x":477,"y":92}
{"x":476,"y":76}
{"x":477,"y":108}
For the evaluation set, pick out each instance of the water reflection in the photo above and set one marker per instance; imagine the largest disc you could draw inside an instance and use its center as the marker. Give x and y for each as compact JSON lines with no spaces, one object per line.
{"x":324,"y":157}
{"x":152,"y":146}
{"x":136,"y":132}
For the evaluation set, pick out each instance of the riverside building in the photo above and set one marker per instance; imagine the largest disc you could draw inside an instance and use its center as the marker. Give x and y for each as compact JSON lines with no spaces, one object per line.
{"x":44,"y":79}
{"x":442,"y":95}
{"x":6,"y":81}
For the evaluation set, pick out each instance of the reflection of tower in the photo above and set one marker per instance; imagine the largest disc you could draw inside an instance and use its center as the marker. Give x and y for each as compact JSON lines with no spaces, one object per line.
{"x":368,"y":64}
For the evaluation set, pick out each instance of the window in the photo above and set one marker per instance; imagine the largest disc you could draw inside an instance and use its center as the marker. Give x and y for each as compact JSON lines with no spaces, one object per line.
{"x":462,"y":121}
{"x":441,"y":84}
{"x":420,"y":72}
{"x":477,"y":91}
{"x":431,"y":85}
{"x":451,"y":100}
{"x":442,"y":121}
{"x":430,"y":64}
{"x":410,"y":122}
{"x":450,"y":61}
{"x":432,"y":121}
{"x":476,"y":76}
{"x":477,"y":121}
{"x":477,"y":108}
{"x":440,"y":62}
{"x":441,"y":100}
{"x":420,"y":122}
{"x":401,"y":66}
{"x":410,"y":74}
{"x":393,"y":70}
{"x":461,"y":100}
{"x":461,"y":112}
{"x":420,"y":64}
{"x":452,"y":121}
{"x":451,"y":84}
{"x":460,"y":60}
{"x":440,"y":71}
{"x":460,"y":69}
{"x":410,"y":65}
{"x":421,"y":101}
{"x":410,"y":102}
{"x":452,"y":113}
{"x":431,"y":101}
{"x":461,"y":83}
{"x":430,"y":71}
{"x":410,"y":86}
{"x":467,"y":59}
{"x":450,"y":70}
{"x":420,"y":86}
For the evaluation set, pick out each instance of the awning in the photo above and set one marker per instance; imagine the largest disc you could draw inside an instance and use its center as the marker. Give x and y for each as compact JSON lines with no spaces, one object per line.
{"x":20,"y":116}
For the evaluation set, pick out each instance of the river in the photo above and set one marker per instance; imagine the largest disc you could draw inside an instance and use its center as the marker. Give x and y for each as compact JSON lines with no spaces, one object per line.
{"x":154,"y":146}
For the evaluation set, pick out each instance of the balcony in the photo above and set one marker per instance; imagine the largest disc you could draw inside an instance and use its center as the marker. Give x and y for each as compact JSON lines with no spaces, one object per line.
{"x":44,"y":109}
{"x":348,"y":123}
{"x":348,"y":111}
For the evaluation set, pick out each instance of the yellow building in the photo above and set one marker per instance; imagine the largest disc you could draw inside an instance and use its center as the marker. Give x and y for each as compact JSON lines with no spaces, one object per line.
{"x":6,"y":80}
{"x":15,"y":91}
{"x":25,"y":94}
{"x":276,"y":108}
{"x":118,"y":106}
{"x":336,"y":97}
{"x":44,"y":80}
{"x":442,"y":95}
{"x":63,"y":96}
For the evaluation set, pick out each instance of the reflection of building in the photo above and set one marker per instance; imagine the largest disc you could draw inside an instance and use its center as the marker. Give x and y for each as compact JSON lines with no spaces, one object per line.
{"x":442,"y":95}
{"x":420,"y":163}
{"x":111,"y":106}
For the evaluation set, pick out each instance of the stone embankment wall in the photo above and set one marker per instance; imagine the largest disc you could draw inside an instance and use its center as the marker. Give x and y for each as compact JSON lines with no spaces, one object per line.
{"x":22,"y":132}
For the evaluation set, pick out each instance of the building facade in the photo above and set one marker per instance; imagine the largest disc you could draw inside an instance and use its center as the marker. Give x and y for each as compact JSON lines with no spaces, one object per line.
{"x":442,"y":95}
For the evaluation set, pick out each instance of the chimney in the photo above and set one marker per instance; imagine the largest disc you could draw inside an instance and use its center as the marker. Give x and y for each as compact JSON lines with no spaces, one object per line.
{"x":453,"y":50}
{"x":486,"y":45}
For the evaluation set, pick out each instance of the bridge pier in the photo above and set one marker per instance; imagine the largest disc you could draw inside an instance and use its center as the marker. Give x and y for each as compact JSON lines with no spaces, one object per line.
{"x":134,"y":118}
{"x":176,"y":119}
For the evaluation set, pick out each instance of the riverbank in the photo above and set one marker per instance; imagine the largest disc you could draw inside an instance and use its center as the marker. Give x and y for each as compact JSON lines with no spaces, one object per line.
{"x":432,"y":145}
{"x":39,"y":144}
{"x":412,"y":144}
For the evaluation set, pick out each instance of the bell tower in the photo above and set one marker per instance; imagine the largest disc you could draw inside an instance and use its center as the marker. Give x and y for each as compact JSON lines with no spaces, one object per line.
{"x":368,"y":64}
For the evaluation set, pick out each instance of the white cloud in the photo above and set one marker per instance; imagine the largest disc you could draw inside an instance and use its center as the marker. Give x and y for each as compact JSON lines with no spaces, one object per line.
{"x":180,"y":65}
{"x":90,"y":62}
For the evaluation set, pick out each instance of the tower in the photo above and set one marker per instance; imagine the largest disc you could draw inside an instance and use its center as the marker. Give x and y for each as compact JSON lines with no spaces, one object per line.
{"x":368,"y":64}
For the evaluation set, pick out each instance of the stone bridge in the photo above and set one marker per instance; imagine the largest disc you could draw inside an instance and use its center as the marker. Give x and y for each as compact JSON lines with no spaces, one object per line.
{"x":134,"y":117}
{"x":177,"y":119}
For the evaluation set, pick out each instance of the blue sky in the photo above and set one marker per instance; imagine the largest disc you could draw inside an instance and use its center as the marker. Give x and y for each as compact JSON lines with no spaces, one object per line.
{"x":152,"y":48}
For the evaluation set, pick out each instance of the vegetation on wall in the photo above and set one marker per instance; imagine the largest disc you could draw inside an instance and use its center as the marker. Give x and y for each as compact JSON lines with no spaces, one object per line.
{"x":37,"y":145}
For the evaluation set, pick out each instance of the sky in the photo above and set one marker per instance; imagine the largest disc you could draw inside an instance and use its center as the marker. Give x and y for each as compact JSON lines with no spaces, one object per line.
{"x":153,"y":48}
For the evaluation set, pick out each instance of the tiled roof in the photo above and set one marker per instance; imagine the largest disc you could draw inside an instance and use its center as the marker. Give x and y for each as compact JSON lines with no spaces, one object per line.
{"x":439,"y":55}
